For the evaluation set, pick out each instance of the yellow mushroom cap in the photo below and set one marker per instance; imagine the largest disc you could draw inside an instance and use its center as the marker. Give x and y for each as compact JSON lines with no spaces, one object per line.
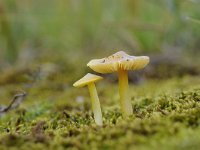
{"x":87,"y":79}
{"x":117,"y":61}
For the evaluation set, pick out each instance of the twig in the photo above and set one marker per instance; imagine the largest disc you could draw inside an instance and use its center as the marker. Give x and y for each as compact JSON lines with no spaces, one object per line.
{"x":16,"y":101}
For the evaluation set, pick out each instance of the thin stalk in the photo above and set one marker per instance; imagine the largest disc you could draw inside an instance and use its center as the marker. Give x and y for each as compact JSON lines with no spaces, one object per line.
{"x":125,"y":101}
{"x":95,"y":104}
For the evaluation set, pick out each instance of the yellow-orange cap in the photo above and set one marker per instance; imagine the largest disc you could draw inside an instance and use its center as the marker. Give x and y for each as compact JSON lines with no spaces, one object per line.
{"x":87,"y":79}
{"x":119,"y":60}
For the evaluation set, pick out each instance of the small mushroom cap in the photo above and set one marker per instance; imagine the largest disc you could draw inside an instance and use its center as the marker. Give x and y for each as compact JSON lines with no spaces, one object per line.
{"x":87,"y":79}
{"x":117,"y":61}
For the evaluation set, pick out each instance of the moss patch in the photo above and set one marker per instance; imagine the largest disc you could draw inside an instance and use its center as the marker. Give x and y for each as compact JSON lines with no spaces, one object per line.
{"x":166,"y":116}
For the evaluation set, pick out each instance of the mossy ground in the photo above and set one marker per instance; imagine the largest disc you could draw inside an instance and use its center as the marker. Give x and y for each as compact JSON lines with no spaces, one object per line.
{"x":57,"y":116}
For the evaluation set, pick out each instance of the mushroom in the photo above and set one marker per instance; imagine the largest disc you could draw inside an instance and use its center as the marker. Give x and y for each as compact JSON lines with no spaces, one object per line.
{"x":89,"y":80}
{"x":120,"y":62}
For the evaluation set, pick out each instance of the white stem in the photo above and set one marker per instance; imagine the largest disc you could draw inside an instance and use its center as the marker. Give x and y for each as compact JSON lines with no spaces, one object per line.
{"x":96,"y":108}
{"x":125,"y":101}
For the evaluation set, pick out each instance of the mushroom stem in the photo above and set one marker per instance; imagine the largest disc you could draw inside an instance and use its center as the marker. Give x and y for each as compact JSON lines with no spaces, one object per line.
{"x":125,"y":102}
{"x":95,"y":104}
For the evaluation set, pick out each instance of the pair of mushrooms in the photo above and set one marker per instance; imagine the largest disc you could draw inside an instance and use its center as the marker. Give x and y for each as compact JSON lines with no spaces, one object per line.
{"x":119,"y":62}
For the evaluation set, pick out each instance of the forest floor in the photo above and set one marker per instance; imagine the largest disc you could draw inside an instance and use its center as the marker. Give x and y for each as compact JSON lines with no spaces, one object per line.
{"x":55,"y":115}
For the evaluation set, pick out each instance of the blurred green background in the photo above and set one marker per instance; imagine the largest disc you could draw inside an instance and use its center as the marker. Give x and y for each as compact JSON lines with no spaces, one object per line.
{"x":45,"y":46}
{"x":76,"y":31}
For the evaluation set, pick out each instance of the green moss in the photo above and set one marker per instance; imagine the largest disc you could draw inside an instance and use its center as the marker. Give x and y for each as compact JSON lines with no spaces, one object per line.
{"x":166,"y":116}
